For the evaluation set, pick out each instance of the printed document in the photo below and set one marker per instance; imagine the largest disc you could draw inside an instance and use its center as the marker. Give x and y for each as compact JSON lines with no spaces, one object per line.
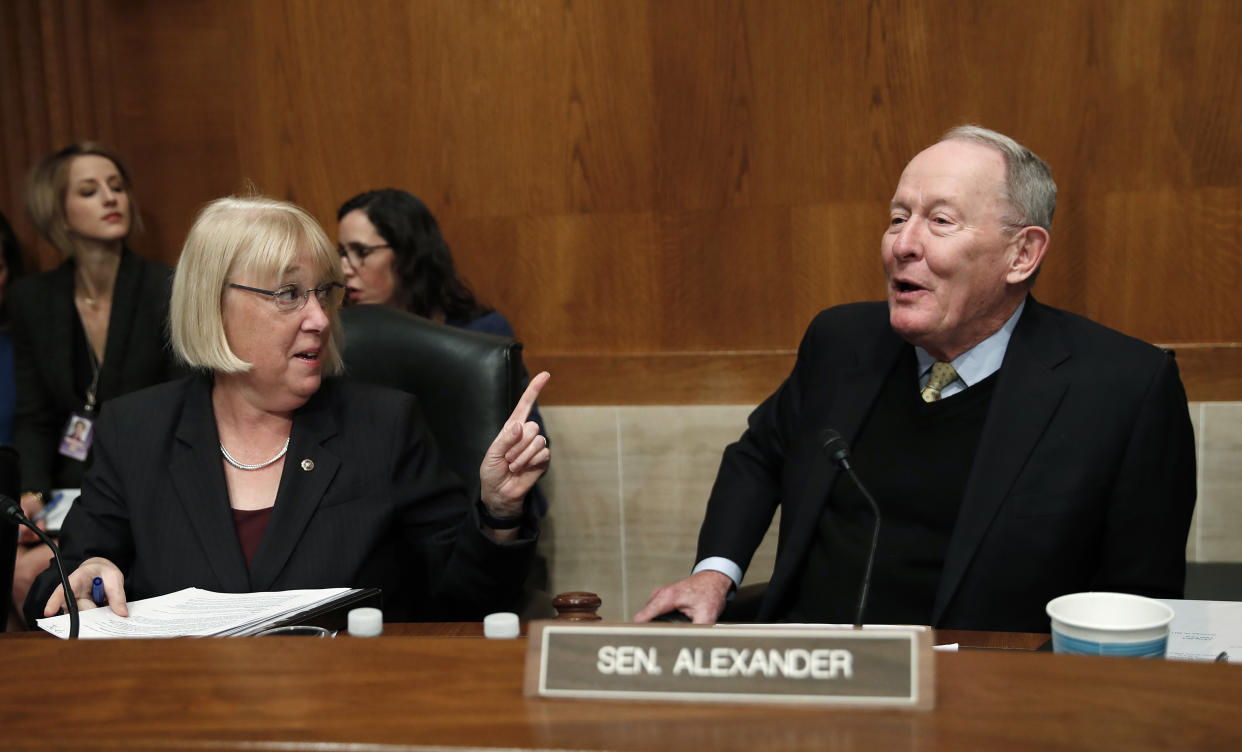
{"x":1205,"y":631}
{"x":195,"y":613}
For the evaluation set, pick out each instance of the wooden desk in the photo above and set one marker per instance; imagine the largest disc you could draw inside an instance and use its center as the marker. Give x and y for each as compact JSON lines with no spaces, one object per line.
{"x":407,"y":692}
{"x":966,"y":639}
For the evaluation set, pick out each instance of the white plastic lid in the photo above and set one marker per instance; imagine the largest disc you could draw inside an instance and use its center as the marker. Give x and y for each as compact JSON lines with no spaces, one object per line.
{"x":503,"y":625}
{"x":366,"y":622}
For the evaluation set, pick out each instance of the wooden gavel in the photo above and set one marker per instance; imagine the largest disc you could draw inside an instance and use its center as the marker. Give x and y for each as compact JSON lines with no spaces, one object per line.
{"x":577,"y":606}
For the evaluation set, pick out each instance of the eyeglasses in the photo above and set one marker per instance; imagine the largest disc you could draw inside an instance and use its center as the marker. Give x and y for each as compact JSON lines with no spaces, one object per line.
{"x":290,"y":298}
{"x":357,"y":253}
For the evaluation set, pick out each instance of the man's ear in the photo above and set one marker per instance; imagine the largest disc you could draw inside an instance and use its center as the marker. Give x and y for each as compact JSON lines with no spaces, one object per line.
{"x":1027,"y":251}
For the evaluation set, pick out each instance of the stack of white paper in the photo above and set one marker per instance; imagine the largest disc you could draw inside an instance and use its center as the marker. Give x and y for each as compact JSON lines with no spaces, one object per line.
{"x":196,"y":613}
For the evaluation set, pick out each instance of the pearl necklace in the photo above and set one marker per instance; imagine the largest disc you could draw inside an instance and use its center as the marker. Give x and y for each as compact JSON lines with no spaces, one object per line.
{"x":243,"y":466}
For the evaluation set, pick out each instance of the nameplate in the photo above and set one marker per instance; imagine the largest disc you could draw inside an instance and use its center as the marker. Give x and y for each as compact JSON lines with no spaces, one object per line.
{"x":887,"y":667}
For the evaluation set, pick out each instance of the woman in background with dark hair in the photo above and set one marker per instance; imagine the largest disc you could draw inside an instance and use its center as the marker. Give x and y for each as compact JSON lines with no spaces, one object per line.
{"x":10,"y":269}
{"x":393,"y":254}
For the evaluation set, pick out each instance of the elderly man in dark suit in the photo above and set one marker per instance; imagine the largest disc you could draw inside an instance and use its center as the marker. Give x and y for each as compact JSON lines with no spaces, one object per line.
{"x":1017,"y":452}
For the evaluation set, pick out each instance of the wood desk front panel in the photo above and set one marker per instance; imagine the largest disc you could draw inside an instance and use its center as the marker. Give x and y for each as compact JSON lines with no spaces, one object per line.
{"x":411,"y":692}
{"x":965,"y":638}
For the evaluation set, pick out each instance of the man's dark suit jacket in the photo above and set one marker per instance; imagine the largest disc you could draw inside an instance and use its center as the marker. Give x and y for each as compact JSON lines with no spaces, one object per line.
{"x":364,"y":501}
{"x":136,"y":355}
{"x":1084,"y":478}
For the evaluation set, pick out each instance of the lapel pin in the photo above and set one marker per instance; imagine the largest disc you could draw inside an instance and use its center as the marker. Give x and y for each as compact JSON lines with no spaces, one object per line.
{"x":308,"y":465}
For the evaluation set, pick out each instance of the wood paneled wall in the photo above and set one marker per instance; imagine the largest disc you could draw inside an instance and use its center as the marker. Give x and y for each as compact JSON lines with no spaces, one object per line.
{"x":661,"y":193}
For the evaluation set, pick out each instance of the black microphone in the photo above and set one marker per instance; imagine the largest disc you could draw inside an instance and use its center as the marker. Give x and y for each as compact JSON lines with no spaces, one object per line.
{"x":13,"y":511}
{"x":838,"y":450}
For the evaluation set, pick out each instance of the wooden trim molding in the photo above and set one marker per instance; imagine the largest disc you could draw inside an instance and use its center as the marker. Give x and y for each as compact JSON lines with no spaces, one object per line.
{"x":1212,"y":372}
{"x":678,"y":378}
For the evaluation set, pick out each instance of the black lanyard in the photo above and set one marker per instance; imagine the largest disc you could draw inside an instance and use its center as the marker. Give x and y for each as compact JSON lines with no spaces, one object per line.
{"x":95,"y":368}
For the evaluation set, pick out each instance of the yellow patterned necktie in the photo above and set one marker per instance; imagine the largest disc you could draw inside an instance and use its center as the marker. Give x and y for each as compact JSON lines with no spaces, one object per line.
{"x":942,"y":374}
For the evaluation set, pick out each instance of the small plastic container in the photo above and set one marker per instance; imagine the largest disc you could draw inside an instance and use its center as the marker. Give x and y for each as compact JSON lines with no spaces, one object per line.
{"x":366,"y":622}
{"x":501,"y":626}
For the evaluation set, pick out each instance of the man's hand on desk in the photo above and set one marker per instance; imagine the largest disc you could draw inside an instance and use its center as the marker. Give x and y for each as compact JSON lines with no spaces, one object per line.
{"x":81,"y":582}
{"x":700,"y":596}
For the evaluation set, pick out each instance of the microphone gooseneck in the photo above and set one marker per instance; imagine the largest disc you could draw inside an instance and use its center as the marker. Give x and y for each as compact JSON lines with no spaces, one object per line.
{"x":13,"y":510}
{"x":835,"y":446}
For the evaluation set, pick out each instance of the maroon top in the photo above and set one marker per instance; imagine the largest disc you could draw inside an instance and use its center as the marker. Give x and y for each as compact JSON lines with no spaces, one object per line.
{"x":250,"y":524}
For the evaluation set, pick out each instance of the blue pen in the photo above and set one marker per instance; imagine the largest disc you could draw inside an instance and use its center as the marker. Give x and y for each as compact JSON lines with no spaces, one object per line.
{"x":97,"y":592}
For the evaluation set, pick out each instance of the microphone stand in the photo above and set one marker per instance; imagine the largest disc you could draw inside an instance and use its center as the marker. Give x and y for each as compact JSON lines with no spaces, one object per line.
{"x":875,"y":542}
{"x":13,"y":510}
{"x":834,"y":444}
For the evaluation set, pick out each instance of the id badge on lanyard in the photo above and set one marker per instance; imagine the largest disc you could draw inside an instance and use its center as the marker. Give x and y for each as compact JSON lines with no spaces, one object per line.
{"x":80,"y":430}
{"x":76,"y":442}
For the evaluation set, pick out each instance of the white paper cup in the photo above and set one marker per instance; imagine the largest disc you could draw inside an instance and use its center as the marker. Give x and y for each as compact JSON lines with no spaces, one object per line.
{"x":1109,"y":624}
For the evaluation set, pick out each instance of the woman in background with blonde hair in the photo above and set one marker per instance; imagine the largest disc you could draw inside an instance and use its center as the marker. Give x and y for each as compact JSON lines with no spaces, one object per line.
{"x":91,"y":329}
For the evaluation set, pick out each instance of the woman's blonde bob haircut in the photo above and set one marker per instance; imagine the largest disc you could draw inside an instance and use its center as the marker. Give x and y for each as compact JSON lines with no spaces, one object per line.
{"x":255,"y":238}
{"x":48,"y":182}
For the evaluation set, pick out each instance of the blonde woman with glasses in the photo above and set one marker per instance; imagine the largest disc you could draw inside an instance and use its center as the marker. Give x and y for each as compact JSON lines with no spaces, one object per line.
{"x":263,"y":472}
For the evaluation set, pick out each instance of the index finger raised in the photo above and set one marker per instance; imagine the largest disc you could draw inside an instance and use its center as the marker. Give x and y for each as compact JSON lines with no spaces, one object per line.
{"x":522,"y":411}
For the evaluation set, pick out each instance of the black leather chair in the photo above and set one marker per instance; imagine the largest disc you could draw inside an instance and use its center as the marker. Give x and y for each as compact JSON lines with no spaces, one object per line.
{"x":743,"y":607}
{"x":466,"y":382}
{"x":1214,"y":580}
